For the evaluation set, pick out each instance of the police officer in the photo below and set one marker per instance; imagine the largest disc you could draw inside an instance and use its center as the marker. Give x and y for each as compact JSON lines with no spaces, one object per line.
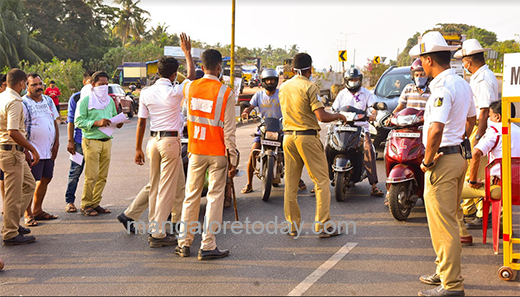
{"x":484,"y":86}
{"x":448,"y":111}
{"x":301,"y":110}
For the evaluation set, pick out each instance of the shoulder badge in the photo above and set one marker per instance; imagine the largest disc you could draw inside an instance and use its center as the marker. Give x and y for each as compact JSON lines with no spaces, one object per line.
{"x":438,"y":102}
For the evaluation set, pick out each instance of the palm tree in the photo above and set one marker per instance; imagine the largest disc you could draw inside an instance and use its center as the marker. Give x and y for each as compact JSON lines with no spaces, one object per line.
{"x":130,"y":21}
{"x":16,"y":43}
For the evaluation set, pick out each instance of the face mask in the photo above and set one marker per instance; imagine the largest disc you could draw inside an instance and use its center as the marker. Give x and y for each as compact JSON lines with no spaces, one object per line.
{"x":467,"y":71}
{"x":299,"y":71}
{"x":23,"y":93}
{"x":310,"y":78}
{"x":421,"y":82}
{"x":221,"y":74}
{"x":352,"y":84}
{"x":100,"y":91}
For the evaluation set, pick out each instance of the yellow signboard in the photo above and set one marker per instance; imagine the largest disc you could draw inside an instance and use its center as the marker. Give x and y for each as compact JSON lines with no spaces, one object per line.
{"x":342,"y":56}
{"x":377,"y":60}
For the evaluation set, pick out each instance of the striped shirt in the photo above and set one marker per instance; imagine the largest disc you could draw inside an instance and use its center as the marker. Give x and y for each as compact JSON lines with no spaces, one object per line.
{"x":410,"y":97}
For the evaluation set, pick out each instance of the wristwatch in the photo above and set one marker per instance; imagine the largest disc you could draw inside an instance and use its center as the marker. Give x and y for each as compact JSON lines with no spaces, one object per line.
{"x":472,"y":182}
{"x":427,"y":165}
{"x":478,"y":137}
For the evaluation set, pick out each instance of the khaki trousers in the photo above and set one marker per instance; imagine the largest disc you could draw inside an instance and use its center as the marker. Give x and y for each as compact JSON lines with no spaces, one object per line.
{"x":443,"y":189}
{"x":164,"y":154}
{"x":300,"y":150}
{"x":468,"y":193}
{"x":217,"y":168}
{"x":474,"y":206}
{"x":97,"y":163}
{"x":140,"y":203}
{"x":19,"y":190}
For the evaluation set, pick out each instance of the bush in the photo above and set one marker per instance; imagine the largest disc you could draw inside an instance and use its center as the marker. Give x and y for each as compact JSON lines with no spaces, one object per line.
{"x":68,"y":75}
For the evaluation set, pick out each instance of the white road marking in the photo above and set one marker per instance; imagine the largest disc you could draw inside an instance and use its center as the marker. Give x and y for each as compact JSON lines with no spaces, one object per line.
{"x":324,"y":268}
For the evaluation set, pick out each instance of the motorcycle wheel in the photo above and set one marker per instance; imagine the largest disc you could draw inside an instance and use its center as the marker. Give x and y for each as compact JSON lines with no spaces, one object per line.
{"x":267,"y":181}
{"x":398,"y":193}
{"x":340,"y":190}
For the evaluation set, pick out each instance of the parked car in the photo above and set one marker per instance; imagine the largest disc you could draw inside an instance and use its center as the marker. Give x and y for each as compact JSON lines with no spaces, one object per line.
{"x":279,"y":69}
{"x":387,"y":90}
{"x":123,"y":103}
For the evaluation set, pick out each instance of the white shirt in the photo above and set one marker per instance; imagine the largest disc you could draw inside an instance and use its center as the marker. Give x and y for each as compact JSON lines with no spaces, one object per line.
{"x":39,"y":122}
{"x":491,"y":143}
{"x":450,"y":103}
{"x":363,"y":99}
{"x":484,"y":86}
{"x":162,"y":103}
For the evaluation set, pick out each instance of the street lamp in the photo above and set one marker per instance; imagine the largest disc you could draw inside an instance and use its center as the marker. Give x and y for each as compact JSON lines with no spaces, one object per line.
{"x":346,"y":35}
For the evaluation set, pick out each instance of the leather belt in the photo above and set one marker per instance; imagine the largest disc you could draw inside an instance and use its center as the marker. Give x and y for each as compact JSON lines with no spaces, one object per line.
{"x":304,"y":132}
{"x":9,"y":147}
{"x":103,"y":139}
{"x":164,"y":133}
{"x":449,"y":150}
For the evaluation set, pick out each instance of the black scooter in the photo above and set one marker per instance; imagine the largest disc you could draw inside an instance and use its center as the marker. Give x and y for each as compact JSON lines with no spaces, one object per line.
{"x":345,"y":152}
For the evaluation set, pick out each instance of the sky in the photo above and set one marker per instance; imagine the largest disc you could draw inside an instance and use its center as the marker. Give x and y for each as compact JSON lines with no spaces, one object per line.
{"x":323,"y":27}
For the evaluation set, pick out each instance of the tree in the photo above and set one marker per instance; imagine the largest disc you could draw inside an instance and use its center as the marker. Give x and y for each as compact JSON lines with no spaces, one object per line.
{"x":16,"y":42}
{"x":372,"y":73}
{"x":130,"y":21}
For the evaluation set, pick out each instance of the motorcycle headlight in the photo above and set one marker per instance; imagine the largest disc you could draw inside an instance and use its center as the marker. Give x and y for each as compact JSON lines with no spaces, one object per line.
{"x":406,"y":120}
{"x":271,"y":135}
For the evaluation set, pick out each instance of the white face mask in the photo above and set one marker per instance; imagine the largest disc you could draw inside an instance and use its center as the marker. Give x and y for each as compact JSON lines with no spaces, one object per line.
{"x":221,"y":73}
{"x":100,"y":91}
{"x":352,"y":83}
{"x":299,"y":71}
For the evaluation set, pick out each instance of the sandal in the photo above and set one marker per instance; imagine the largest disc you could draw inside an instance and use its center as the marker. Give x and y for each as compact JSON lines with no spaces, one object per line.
{"x":30,"y":222}
{"x":247,"y":189}
{"x":89,"y":212}
{"x":377,"y":192}
{"x":101,"y":210}
{"x":71,"y":208}
{"x":227,"y":202}
{"x":313,"y":191}
{"x":302,"y":186}
{"x":45,"y":217}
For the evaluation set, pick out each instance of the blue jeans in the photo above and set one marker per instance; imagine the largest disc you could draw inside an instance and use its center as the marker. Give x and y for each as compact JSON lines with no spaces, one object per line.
{"x":74,"y":174}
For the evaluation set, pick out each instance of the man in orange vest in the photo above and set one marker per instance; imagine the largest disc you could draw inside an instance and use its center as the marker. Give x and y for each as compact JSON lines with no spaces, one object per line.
{"x":211,"y":131}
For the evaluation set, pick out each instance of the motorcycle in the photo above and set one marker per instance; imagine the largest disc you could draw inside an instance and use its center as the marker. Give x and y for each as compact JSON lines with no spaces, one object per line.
{"x":254,"y":82}
{"x":404,"y":153}
{"x":269,"y":166}
{"x":345,"y":152}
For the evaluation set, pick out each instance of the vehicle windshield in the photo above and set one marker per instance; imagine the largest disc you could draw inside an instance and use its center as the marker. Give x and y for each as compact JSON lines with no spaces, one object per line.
{"x":116,"y":90}
{"x":392,"y":84}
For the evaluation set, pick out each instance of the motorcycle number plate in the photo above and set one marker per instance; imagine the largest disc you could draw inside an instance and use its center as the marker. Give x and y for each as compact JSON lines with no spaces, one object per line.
{"x":271,"y":143}
{"x":407,"y":135}
{"x":347,"y":129}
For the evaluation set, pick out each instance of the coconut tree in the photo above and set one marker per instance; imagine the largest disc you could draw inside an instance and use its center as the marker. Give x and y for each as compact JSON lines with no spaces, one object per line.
{"x":130,"y":22}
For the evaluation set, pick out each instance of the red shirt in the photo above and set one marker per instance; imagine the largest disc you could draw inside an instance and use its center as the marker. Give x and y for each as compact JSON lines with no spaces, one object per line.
{"x":53,"y":93}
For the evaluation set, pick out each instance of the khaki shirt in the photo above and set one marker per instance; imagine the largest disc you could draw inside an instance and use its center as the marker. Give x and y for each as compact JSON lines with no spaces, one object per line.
{"x":298,"y":100}
{"x":11,"y":115}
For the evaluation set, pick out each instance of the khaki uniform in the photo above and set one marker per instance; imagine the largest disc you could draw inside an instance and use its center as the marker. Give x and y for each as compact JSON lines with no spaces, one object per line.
{"x":299,"y":100}
{"x":18,"y":179}
{"x":140,"y":203}
{"x":217,"y":168}
{"x":450,"y":104}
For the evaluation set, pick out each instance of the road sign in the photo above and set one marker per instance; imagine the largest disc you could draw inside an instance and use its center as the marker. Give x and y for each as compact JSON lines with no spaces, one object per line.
{"x":377,"y":60}
{"x":342,"y":56}
{"x":511,"y":81}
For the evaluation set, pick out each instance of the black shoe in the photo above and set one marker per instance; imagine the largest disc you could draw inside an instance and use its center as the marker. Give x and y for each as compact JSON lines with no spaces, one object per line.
{"x":477,"y":223}
{"x":214,"y":254}
{"x":24,"y":231}
{"x":182,"y":251}
{"x":285,"y":230}
{"x":127,"y":222}
{"x":433,"y":280}
{"x":19,"y":240}
{"x":330,"y":232}
{"x":160,"y":242}
{"x":439,"y":291}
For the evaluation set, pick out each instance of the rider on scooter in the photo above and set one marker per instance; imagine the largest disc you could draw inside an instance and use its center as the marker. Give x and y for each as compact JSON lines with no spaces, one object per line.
{"x":357,"y":96}
{"x":268,"y":104}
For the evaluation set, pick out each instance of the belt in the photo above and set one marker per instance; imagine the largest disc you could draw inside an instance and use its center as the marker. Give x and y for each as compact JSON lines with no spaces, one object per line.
{"x":9,"y":147}
{"x":449,"y":150}
{"x":164,"y":133}
{"x":304,"y":132}
{"x":103,"y":139}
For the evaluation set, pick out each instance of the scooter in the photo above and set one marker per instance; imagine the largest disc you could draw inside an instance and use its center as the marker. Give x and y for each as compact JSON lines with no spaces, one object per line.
{"x":269,"y":166}
{"x":254,"y":82}
{"x":345,"y":152}
{"x":404,"y":153}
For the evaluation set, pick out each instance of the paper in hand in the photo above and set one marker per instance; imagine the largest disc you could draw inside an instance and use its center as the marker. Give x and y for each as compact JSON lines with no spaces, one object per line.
{"x":118,"y":119}
{"x":77,"y":158}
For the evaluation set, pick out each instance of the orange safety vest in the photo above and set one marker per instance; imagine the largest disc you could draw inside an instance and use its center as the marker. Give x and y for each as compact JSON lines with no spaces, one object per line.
{"x":207,"y":99}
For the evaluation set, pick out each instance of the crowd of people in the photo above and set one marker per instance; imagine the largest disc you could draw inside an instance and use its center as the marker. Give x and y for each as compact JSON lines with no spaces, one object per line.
{"x":454,"y":111}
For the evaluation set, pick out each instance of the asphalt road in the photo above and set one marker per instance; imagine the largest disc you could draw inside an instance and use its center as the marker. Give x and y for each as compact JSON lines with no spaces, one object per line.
{"x":76,"y":255}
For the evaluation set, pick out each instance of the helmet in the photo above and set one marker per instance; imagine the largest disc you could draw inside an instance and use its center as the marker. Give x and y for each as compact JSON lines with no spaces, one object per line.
{"x":199,"y":73}
{"x":351,"y":74}
{"x":421,"y":82}
{"x":269,"y":73}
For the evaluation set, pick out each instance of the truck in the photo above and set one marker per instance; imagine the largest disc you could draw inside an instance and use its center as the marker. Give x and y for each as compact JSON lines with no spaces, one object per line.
{"x":287,"y":69}
{"x":131,"y":73}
